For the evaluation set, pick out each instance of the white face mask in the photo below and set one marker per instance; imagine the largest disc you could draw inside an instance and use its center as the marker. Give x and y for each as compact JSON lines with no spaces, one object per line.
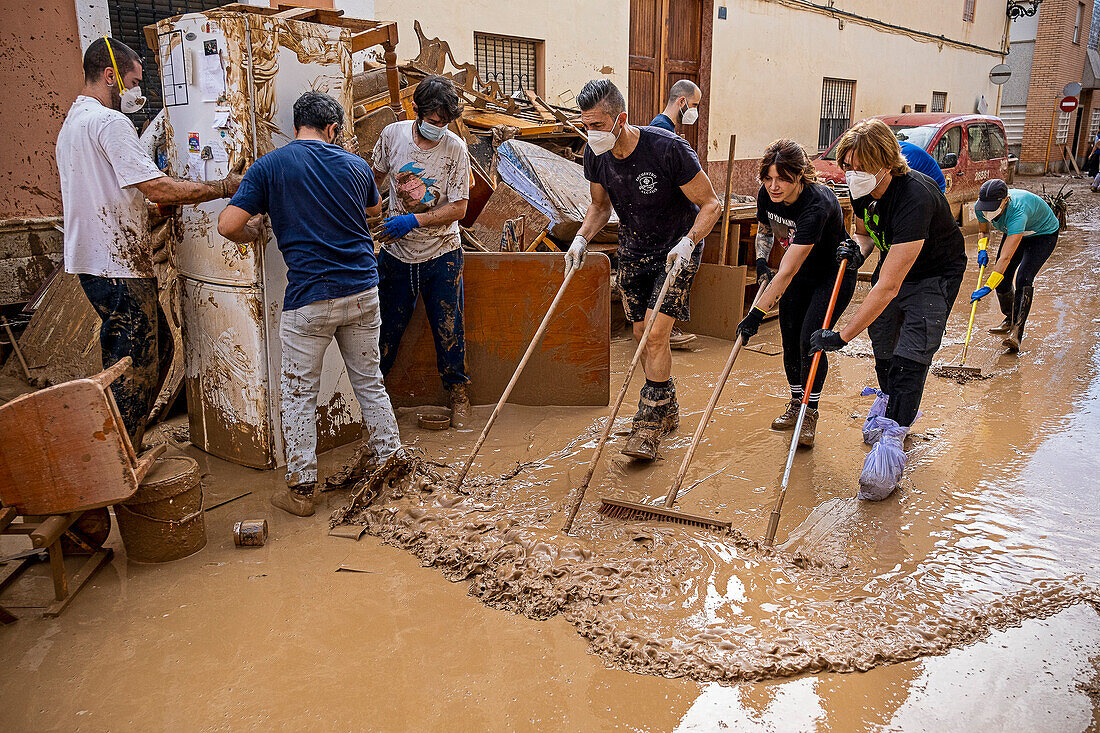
{"x":691,"y":114}
{"x":132,"y":100}
{"x":601,"y":140}
{"x":430,"y":131}
{"x":860,"y":183}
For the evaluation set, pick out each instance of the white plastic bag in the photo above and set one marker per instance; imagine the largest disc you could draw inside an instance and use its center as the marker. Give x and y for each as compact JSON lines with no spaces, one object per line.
{"x":872,"y":426}
{"x":885,"y":464}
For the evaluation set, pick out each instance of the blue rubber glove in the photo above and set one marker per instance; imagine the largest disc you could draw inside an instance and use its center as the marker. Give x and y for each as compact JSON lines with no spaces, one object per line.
{"x":980,"y":293}
{"x":396,"y":227}
{"x":983,"y":258}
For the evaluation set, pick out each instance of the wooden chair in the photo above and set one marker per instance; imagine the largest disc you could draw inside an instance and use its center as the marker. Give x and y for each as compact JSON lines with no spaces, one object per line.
{"x":65,"y":451}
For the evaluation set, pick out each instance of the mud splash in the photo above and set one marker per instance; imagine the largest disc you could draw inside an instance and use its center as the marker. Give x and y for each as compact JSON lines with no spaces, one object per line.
{"x":676,"y":602}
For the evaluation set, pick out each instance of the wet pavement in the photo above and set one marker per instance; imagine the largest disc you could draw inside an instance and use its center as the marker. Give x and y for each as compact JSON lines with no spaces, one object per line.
{"x":969,"y":594}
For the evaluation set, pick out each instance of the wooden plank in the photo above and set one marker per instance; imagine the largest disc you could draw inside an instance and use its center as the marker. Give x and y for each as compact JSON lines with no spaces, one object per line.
{"x":717,"y":301}
{"x":506,"y":296}
{"x":504,"y":204}
{"x":488,"y":120}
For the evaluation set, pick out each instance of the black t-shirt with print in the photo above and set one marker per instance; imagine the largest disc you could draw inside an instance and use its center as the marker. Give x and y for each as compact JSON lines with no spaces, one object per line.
{"x":911,"y":209}
{"x":644,"y":188}
{"x":815,"y":219}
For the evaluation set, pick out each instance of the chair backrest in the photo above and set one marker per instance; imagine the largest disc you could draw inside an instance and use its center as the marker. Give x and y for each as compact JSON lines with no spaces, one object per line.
{"x":65,"y":449}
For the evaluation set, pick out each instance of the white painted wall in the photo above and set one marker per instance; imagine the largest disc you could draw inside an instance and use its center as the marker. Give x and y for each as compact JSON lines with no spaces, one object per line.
{"x":93,"y":20}
{"x":582,"y":39}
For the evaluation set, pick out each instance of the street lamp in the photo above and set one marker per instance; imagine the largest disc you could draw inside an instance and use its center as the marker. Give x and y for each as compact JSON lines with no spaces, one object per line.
{"x":1019,"y":8}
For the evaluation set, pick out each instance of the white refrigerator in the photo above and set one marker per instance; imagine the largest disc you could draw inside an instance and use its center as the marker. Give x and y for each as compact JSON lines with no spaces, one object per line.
{"x":230,"y":80}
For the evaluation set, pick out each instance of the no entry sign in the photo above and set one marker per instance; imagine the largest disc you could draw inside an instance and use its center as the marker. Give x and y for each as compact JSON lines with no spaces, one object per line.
{"x":1068,"y":104}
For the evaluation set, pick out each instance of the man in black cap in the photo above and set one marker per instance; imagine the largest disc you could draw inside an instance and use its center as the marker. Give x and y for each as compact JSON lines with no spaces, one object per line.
{"x":1030,"y":232}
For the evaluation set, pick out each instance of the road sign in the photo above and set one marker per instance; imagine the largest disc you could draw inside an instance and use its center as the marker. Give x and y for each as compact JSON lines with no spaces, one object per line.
{"x":999,"y":74}
{"x":1072,"y":89}
{"x":1068,"y":104}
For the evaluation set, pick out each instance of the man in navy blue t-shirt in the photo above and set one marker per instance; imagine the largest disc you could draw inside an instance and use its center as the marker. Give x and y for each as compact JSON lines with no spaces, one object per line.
{"x":666,"y":206}
{"x":318,"y":197}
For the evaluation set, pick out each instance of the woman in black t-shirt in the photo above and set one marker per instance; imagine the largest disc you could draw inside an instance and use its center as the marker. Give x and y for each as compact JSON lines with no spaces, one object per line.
{"x":805,"y":218}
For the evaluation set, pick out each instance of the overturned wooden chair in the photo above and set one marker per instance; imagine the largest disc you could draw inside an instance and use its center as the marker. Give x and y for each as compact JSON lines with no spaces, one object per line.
{"x":65,"y":453}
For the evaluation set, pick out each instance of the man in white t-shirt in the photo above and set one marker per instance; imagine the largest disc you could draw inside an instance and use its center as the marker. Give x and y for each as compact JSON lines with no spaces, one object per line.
{"x":106,"y":177}
{"x":429,"y":180}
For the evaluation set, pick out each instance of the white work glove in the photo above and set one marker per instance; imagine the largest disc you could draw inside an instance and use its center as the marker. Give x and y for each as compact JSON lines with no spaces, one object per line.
{"x":575,"y":256}
{"x":681,"y":253}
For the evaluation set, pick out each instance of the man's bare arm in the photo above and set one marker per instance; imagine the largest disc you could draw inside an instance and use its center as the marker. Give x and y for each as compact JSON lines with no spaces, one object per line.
{"x":598,"y":214}
{"x":236,"y":224}
{"x":701,"y":193}
{"x":168,"y":190}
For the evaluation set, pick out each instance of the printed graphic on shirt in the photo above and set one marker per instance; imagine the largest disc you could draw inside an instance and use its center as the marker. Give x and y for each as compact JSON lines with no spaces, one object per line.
{"x":783,"y":229}
{"x":414,"y":188}
{"x":647,"y":182}
{"x":874,"y":227}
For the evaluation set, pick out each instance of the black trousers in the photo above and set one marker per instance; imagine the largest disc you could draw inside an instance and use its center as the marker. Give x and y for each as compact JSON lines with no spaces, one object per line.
{"x":1026,"y":262}
{"x":133,"y":325}
{"x":801,"y":312}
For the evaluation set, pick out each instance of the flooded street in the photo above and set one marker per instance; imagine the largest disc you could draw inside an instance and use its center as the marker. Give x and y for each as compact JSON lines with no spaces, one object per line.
{"x":970,"y":597}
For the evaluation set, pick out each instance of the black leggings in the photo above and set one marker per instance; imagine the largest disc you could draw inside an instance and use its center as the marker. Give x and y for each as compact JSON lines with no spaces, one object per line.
{"x":1029,"y":258}
{"x":801,"y":312}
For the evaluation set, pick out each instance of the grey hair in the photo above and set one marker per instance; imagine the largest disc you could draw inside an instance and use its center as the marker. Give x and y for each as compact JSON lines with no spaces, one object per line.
{"x":602,"y":92}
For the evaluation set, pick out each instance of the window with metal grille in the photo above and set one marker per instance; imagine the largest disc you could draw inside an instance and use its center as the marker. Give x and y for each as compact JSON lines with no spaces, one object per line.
{"x":836,"y":110}
{"x":128,"y":21}
{"x":968,"y":10}
{"x":1094,"y":124}
{"x":939,"y":101}
{"x":1062,"y":134}
{"x":920,"y":107}
{"x":510,"y":62}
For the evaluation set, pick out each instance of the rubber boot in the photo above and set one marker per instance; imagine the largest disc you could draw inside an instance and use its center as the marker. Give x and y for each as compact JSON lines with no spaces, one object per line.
{"x":787,"y":420}
{"x":671,"y":419}
{"x":1004,"y":300}
{"x":1016,"y":335}
{"x":645,"y":433}
{"x":809,"y":429}
{"x":296,"y":500}
{"x":459,"y":400}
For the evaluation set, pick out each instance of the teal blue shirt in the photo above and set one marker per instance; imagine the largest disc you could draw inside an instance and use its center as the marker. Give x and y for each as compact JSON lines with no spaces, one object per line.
{"x":1025,"y":214}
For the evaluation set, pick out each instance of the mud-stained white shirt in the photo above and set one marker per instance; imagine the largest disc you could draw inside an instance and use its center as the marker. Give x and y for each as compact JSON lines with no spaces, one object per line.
{"x":106,"y":223}
{"x":419,"y":181}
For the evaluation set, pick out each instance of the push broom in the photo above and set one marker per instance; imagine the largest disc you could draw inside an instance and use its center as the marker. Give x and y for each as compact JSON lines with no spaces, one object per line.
{"x":773,"y":522}
{"x":630,"y":510}
{"x":961,"y":369}
{"x":569,"y":271}
{"x":578,"y":495}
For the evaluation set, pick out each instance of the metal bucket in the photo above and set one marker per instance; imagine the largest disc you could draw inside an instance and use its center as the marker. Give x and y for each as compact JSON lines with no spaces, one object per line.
{"x":163,"y":520}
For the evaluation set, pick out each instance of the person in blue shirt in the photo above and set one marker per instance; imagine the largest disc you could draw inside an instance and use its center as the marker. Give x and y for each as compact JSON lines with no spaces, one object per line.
{"x":682,"y":106}
{"x":318,"y":197}
{"x":921,"y":161}
{"x":1030,"y":231}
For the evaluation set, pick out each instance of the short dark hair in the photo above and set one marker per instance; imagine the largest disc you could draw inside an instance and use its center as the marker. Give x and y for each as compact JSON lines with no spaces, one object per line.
{"x":685,"y":88}
{"x":97,"y":58}
{"x":602,"y":92}
{"x":437,"y":94}
{"x":317,"y":110}
{"x":791,"y":162}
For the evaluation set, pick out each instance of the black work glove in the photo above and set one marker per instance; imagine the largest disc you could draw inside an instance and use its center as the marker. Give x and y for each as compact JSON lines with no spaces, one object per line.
{"x":849,"y":250}
{"x":750,"y":324}
{"x":763,"y":274}
{"x":825,"y":340}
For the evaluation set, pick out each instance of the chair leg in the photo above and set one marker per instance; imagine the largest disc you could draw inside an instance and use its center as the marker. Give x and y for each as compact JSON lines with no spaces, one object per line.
{"x":57,"y":570}
{"x":79,"y":578}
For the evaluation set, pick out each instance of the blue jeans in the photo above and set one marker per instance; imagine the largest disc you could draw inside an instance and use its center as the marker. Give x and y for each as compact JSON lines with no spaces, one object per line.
{"x":439,"y":280}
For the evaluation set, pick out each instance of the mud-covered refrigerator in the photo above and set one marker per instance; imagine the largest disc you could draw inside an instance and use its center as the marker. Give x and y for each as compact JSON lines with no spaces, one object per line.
{"x":230,"y":80}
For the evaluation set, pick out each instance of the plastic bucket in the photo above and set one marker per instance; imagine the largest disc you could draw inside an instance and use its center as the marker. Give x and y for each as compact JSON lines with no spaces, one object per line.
{"x":163,"y":520}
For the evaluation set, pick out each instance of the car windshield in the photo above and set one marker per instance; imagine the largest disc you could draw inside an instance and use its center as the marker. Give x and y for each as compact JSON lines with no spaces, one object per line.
{"x":919,"y":136}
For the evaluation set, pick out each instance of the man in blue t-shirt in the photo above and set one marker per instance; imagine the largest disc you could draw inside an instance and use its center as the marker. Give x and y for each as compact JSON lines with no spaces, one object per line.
{"x":666,"y":206}
{"x":683,"y":105}
{"x":318,"y":197}
{"x":921,"y":161}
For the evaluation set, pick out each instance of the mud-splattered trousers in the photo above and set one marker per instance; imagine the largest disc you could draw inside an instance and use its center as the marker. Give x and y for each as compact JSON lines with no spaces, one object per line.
{"x":306,"y":332}
{"x":439,"y":280}
{"x":133,"y":325}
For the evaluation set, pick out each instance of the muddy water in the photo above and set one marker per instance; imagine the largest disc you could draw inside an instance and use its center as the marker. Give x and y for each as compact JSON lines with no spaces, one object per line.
{"x":993,"y":527}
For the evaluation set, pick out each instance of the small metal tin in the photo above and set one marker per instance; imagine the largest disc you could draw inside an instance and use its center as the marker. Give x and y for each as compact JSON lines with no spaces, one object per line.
{"x":250,"y":533}
{"x":433,"y":421}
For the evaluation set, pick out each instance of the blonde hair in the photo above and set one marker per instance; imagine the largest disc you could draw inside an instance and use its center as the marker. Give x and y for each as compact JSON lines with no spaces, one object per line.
{"x":875,"y":144}
{"x":790,"y":160}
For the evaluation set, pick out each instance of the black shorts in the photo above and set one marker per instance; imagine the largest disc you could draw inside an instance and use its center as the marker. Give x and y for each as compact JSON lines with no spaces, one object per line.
{"x":913,"y":323}
{"x":640,"y":282}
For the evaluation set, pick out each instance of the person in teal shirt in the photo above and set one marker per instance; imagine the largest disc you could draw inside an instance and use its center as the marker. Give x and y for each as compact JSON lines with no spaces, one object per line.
{"x":1030,"y":231}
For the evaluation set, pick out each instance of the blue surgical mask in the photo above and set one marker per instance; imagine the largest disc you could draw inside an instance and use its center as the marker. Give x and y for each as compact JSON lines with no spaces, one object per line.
{"x":430,"y":131}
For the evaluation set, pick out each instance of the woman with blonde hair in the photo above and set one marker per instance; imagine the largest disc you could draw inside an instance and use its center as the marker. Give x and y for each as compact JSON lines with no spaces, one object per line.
{"x":805,"y":218}
{"x":905,"y":216}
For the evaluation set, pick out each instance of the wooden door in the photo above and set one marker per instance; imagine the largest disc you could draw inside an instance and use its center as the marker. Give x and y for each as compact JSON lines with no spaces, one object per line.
{"x":669,"y":41}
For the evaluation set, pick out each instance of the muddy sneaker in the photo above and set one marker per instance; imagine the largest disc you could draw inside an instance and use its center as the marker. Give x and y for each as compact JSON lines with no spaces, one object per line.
{"x":680,"y":340}
{"x":296,"y":500}
{"x":459,"y":400}
{"x":1005,"y":327}
{"x":642,"y":443}
{"x":809,"y":429}
{"x":787,"y":420}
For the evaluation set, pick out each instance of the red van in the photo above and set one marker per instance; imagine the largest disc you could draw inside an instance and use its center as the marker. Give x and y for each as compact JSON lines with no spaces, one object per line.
{"x":969,"y":148}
